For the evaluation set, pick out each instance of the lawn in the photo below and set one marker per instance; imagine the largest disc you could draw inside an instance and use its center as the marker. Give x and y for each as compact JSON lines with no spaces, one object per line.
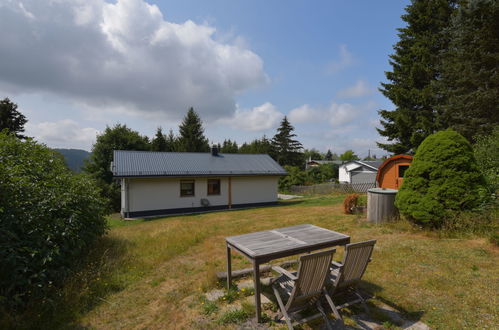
{"x":154,"y":273}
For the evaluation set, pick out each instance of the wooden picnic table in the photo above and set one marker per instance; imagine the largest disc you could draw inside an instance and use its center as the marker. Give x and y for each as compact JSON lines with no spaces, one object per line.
{"x":264,"y":246}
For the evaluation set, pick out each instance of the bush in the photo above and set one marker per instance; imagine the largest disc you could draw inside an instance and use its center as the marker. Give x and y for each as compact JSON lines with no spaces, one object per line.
{"x":48,"y":217}
{"x":350,"y":203}
{"x":442,"y":181}
{"x":486,"y":151}
{"x":295,"y":177}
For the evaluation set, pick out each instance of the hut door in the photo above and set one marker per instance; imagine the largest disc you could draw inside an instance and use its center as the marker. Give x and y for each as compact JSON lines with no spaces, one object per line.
{"x":400,"y":176}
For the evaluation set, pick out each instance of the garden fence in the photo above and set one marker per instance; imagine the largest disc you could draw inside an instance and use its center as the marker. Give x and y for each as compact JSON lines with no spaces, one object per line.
{"x":328,"y":188}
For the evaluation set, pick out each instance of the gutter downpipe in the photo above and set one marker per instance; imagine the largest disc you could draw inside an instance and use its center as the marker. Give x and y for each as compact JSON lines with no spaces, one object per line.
{"x":230,"y":192}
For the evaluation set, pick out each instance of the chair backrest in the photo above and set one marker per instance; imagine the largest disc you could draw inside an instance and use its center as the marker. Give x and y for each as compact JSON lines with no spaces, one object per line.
{"x":357,"y":256}
{"x":312,"y":273}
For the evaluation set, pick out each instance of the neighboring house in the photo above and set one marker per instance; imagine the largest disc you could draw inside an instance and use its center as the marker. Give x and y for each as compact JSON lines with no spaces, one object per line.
{"x":316,"y":163}
{"x":160,"y":183}
{"x":391,"y":172}
{"x":359,"y":171}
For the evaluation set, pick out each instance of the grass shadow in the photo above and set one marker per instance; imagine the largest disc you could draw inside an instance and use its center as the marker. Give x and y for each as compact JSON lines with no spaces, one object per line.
{"x":93,"y":278}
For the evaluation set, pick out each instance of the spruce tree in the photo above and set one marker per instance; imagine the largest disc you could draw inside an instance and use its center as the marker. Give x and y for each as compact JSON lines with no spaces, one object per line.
{"x":191,"y":131}
{"x":329,"y":155}
{"x":470,"y":76}
{"x":229,"y":147}
{"x":172,"y":141}
{"x":285,"y":149}
{"x":159,"y":142}
{"x":11,"y":119}
{"x":415,"y":66}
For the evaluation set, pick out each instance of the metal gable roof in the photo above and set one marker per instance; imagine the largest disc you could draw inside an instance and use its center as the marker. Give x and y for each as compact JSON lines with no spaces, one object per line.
{"x":150,"y":163}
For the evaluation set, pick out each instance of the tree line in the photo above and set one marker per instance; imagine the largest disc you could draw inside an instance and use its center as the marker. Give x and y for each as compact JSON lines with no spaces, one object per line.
{"x":444,"y":73}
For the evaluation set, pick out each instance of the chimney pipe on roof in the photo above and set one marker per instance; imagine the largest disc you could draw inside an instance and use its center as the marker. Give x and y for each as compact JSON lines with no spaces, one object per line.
{"x":214,"y":150}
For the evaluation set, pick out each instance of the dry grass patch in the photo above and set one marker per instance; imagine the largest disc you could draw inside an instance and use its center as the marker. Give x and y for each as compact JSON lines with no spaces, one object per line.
{"x":161,"y":269}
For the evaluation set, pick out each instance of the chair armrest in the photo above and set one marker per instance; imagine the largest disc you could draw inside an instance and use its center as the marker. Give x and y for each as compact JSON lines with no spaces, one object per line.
{"x":336,"y":264}
{"x":284,"y":272}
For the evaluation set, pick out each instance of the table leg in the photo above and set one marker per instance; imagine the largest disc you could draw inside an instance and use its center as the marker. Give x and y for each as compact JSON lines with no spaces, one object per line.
{"x":256,"y":279}
{"x":229,"y":269}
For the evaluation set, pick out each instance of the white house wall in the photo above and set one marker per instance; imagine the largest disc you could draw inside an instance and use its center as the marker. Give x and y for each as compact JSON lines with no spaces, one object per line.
{"x":254,"y":189}
{"x":147,"y":194}
{"x":343,"y":174}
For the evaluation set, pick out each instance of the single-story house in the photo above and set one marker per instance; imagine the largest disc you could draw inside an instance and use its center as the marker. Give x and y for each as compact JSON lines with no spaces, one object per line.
{"x":161,"y":183}
{"x":391,"y":172}
{"x":359,"y":171}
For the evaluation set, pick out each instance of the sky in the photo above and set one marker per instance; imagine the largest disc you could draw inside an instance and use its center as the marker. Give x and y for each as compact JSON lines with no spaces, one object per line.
{"x":74,"y":67}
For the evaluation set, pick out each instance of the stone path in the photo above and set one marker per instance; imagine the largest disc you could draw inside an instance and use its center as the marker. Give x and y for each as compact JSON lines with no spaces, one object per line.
{"x":361,"y":320}
{"x":286,"y":197}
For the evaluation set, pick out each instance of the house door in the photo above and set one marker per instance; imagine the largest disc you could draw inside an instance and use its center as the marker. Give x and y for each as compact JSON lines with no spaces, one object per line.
{"x":400,"y":175}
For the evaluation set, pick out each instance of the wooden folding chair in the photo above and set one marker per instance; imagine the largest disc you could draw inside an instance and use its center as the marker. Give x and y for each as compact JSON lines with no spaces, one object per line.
{"x":344,"y":277}
{"x":300,"y":290}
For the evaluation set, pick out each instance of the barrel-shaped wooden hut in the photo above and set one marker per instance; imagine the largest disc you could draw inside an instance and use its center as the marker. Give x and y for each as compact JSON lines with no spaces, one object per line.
{"x":391,"y":172}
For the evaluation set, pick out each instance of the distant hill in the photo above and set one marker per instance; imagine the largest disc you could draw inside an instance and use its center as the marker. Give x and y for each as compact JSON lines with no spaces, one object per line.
{"x":74,"y":158}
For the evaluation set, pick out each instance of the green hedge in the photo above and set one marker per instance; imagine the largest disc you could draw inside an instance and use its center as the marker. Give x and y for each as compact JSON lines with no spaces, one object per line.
{"x":48,"y":218}
{"x":443,"y":179}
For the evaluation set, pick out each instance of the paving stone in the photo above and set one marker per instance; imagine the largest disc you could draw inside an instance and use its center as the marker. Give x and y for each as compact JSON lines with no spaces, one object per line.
{"x":245,"y":284}
{"x":214,"y":295}
{"x":263,"y":299}
{"x":417,"y":326}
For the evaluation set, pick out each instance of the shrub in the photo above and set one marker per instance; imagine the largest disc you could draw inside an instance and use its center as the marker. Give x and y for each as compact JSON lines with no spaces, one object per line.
{"x":295,"y":177}
{"x":442,"y":181}
{"x":48,"y":217}
{"x":486,"y":151}
{"x":350,"y":203}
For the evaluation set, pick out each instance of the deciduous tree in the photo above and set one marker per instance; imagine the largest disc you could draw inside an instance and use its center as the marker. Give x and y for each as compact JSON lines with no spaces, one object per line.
{"x":11,"y":119}
{"x":119,"y":137}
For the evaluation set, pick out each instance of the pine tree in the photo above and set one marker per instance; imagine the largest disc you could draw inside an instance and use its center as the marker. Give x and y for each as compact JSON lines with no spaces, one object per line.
{"x":470,"y":75}
{"x":329,"y":155}
{"x":286,"y":150}
{"x":172,"y":141}
{"x":191,"y":131}
{"x":11,"y":119}
{"x":159,"y":142}
{"x":415,"y":64}
{"x":229,"y":147}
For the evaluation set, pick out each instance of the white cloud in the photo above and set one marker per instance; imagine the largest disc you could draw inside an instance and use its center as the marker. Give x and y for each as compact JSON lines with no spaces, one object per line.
{"x":343,"y":114}
{"x":305,"y":114}
{"x":360,"y":89}
{"x":337,"y":115}
{"x":123,"y":54}
{"x":261,"y":118}
{"x":62,"y":134}
{"x":344,"y":61}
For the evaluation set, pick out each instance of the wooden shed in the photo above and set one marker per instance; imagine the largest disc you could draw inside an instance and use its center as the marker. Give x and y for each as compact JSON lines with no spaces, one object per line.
{"x":391,"y":172}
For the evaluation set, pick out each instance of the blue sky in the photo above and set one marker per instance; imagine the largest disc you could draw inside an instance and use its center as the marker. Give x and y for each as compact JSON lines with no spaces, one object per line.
{"x":74,"y":67}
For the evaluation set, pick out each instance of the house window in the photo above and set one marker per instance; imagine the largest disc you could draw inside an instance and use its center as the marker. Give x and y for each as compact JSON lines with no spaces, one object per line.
{"x":213,"y":187}
{"x":402,"y":169}
{"x":186,"y":188}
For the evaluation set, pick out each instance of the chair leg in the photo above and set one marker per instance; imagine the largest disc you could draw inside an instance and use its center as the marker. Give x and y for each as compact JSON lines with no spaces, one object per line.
{"x":324,"y":315}
{"x":333,"y":307}
{"x":282,"y":308}
{"x":362,"y":301}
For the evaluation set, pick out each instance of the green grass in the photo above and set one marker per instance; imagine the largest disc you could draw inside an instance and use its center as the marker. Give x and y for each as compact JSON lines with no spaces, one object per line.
{"x":148,"y":273}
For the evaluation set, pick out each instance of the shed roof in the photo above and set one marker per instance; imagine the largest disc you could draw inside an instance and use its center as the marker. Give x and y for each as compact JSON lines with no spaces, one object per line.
{"x":354,"y":164}
{"x":150,"y":163}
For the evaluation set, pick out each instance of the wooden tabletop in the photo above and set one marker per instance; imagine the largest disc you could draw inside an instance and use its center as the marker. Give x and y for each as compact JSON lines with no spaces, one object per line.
{"x":286,"y":241}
